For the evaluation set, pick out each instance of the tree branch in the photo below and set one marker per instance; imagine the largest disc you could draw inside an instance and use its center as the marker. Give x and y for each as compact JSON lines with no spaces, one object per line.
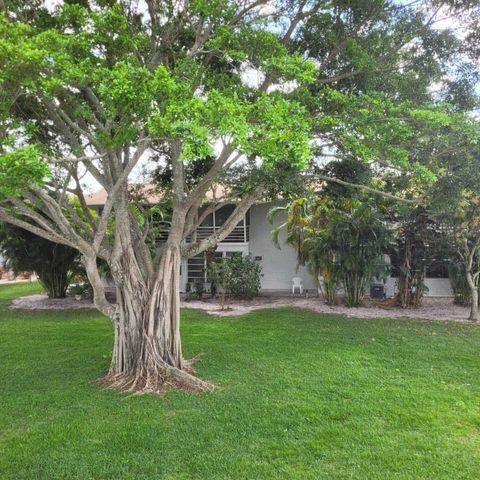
{"x":361,"y":187}
{"x":237,"y":215}
{"x":41,"y":232}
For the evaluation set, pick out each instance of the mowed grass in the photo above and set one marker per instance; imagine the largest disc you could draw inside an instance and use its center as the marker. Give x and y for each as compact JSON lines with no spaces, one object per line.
{"x":300,"y":396}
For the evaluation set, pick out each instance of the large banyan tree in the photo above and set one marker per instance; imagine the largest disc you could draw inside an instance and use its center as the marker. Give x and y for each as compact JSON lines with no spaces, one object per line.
{"x":98,"y":88}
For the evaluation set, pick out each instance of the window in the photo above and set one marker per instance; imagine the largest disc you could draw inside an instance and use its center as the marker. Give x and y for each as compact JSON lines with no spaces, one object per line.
{"x":239,"y":234}
{"x":196,"y":269}
{"x":223,"y":214}
{"x":208,"y":222}
{"x":434,"y":268}
{"x":233,"y":254}
{"x":197,"y":266}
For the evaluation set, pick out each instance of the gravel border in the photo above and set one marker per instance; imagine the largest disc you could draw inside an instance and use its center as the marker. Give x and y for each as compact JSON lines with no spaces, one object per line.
{"x":440,"y":309}
{"x":42,"y":302}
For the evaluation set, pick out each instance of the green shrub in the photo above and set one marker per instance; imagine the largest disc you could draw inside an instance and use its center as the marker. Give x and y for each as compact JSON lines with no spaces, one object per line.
{"x":195,"y":290}
{"x":53,"y":263}
{"x":243,"y":277}
{"x":237,"y":276}
{"x":77,"y":289}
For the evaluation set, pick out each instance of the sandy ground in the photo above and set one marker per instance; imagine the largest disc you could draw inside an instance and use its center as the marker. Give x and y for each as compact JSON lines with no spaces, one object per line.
{"x":432,"y":308}
{"x":42,"y":302}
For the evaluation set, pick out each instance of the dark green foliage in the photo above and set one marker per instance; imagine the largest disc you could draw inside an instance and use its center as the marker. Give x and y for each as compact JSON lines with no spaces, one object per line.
{"x":194,"y":171}
{"x":356,"y":39}
{"x":424,"y":242}
{"x":458,"y":281}
{"x":244,"y":277}
{"x":198,"y":289}
{"x":359,"y":237}
{"x":349,"y":170}
{"x":54,"y":264}
{"x":417,"y":235}
{"x":77,"y":289}
{"x":237,"y":275}
{"x":218,"y":274}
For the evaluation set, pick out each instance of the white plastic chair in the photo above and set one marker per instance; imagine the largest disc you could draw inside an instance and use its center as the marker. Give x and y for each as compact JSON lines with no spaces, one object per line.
{"x":297,"y":282}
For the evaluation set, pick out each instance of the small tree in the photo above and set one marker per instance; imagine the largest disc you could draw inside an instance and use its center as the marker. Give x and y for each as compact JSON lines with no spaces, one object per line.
{"x":323,"y":267}
{"x":218,"y":274}
{"x":360,"y":238}
{"x":458,"y":281}
{"x":455,"y":200}
{"x":305,"y":232}
{"x":417,"y":233}
{"x":465,"y":235}
{"x":54,"y":264}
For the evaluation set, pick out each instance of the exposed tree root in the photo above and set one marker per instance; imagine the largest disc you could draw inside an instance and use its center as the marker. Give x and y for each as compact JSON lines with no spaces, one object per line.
{"x":157,"y":381}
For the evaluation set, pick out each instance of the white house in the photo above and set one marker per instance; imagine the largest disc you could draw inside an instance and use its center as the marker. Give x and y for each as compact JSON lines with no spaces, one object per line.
{"x":252,"y":236}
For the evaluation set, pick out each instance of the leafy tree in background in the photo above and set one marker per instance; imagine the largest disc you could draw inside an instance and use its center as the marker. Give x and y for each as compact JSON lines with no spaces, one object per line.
{"x":459,"y":283}
{"x":102,"y":86}
{"x":361,"y":238}
{"x":53,"y":263}
{"x":464,"y":233}
{"x":306,"y":232}
{"x":444,"y":219}
{"x":237,"y":275}
{"x":416,"y":233}
{"x":218,"y":274}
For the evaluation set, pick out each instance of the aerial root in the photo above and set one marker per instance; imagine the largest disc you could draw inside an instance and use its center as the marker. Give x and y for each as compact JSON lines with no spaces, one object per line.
{"x":156,"y":380}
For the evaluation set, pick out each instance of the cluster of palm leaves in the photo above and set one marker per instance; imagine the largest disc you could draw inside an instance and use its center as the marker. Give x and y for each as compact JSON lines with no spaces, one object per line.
{"x":341,"y":241}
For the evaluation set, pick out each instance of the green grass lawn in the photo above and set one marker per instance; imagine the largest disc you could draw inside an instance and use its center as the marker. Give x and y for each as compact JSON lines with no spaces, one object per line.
{"x":300,"y":396}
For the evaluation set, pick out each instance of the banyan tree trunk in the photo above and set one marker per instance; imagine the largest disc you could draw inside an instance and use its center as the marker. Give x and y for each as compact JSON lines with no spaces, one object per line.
{"x":147,"y":355}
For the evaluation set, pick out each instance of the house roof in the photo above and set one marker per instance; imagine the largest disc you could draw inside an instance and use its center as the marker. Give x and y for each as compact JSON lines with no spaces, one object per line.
{"x":145,"y":191}
{"x":148,"y":193}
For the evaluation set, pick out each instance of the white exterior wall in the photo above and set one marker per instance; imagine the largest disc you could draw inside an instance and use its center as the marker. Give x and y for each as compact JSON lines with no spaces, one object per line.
{"x":278,"y":266}
{"x":437,"y":287}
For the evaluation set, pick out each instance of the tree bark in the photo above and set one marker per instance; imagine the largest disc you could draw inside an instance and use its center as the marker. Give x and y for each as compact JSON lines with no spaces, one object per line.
{"x":474,"y":301}
{"x":474,"y":306}
{"x":147,"y":354}
{"x":469,"y":254}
